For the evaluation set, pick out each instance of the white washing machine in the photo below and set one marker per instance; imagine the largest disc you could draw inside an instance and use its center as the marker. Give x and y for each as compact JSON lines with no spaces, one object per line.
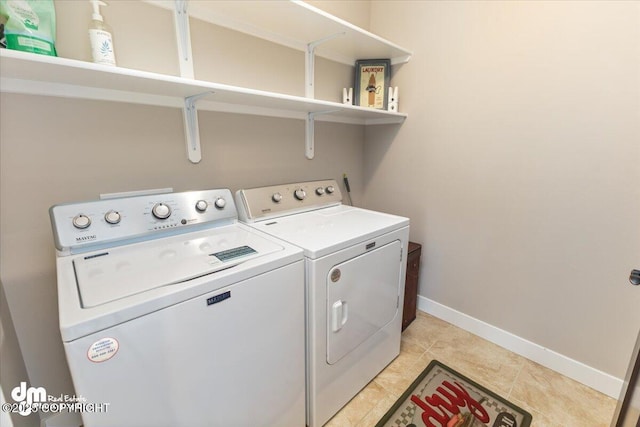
{"x":355,"y":262}
{"x":173,"y":313}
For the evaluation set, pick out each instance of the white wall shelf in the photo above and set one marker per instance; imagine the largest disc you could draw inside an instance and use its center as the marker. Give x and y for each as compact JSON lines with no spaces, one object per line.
{"x":33,"y":74}
{"x":45,"y":75}
{"x":295,"y":24}
{"x":291,"y":23}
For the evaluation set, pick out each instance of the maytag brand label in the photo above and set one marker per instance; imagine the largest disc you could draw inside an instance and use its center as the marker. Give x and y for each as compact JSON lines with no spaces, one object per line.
{"x":86,"y":238}
{"x":218,"y":298}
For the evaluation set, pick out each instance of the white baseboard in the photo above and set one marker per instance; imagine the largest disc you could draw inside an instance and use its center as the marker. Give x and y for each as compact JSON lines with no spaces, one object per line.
{"x":598,"y":380}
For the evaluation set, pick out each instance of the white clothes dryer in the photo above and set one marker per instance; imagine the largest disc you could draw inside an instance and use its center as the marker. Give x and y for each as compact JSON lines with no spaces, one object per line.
{"x":355,"y":262}
{"x":172,"y":313}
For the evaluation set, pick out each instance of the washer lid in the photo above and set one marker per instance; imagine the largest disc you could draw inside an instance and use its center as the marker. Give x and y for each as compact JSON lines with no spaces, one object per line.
{"x":120,"y":272}
{"x":326,"y":230}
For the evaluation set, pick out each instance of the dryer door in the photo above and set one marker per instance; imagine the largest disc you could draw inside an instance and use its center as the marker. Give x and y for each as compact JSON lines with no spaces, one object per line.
{"x":362,"y":297}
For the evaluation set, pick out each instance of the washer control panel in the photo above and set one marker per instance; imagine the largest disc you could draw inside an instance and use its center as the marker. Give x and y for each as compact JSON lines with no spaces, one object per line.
{"x":255,"y":204}
{"x":101,"y":222}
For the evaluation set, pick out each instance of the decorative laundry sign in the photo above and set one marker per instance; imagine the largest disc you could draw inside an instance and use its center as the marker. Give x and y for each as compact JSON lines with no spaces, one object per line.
{"x":372,"y":83}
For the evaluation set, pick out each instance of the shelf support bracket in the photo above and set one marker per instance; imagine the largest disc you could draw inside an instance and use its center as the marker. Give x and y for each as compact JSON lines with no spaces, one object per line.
{"x":309,"y":139}
{"x":183,"y":36}
{"x":191,"y":130}
{"x":309,"y":62}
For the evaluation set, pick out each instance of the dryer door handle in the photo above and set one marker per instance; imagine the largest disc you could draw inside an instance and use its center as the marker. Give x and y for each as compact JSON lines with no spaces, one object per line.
{"x":339,"y":315}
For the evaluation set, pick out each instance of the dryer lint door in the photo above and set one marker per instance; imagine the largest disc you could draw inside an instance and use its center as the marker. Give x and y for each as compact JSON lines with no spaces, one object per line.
{"x":362,"y":297}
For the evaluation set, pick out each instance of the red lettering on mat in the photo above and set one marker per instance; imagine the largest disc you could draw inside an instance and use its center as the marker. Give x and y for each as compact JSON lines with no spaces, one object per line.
{"x":436,"y":406}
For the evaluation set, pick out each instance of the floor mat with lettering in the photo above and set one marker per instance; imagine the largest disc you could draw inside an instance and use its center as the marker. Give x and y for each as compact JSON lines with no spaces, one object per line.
{"x":442,"y":397}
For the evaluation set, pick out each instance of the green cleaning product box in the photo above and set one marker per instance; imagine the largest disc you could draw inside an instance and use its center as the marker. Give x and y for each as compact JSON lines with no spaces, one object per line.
{"x":28,"y":25}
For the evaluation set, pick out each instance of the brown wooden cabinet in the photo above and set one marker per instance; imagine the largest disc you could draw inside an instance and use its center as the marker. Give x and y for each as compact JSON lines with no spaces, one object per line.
{"x":411,"y":284}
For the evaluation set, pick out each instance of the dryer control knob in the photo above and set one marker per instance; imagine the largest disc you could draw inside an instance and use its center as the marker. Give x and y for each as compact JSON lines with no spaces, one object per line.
{"x":201,"y":205}
{"x":112,"y":217}
{"x":320,"y":191}
{"x":220,"y":203}
{"x":161,"y":211}
{"x":277,"y":197}
{"x":81,"y":221}
{"x":330,"y":189}
{"x":300,"y":194}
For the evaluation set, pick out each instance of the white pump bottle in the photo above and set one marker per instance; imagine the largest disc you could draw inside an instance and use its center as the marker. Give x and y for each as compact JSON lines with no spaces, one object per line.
{"x":100,"y":37}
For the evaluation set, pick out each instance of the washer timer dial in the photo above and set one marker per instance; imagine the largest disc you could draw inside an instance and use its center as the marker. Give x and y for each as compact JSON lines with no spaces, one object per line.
{"x":161,"y":211}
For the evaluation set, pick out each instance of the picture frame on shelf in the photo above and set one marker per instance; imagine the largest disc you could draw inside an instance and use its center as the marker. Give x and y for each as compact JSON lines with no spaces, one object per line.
{"x":371,"y":83}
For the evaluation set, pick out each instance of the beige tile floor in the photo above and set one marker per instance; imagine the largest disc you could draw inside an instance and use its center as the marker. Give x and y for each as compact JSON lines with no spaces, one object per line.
{"x":552,"y":399}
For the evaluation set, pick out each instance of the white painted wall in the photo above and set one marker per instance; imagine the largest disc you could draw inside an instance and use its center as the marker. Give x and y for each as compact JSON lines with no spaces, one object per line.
{"x":12,"y":369}
{"x":519,"y":165}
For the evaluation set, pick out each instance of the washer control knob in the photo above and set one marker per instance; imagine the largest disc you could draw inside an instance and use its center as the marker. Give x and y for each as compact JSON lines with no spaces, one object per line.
{"x":112,"y":217}
{"x":161,"y":211}
{"x":277,"y":197}
{"x":81,"y":221}
{"x":201,"y":205}
{"x":300,"y":194}
{"x":320,"y":191}
{"x":330,"y":189}
{"x":220,"y":203}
